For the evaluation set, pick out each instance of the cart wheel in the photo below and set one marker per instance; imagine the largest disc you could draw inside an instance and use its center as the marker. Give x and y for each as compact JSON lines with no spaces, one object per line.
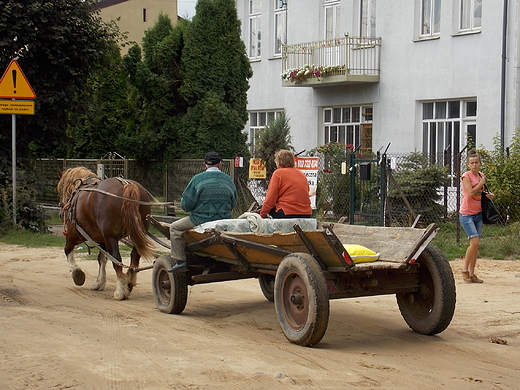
{"x":169,"y":289}
{"x":429,"y":311}
{"x":301,"y":299}
{"x":267,"y":285}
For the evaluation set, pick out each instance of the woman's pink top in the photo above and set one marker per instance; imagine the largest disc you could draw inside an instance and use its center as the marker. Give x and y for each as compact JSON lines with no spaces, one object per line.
{"x":471,"y":205}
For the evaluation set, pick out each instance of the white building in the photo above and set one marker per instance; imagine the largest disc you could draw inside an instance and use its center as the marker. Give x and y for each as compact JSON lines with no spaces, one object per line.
{"x":421,"y":75}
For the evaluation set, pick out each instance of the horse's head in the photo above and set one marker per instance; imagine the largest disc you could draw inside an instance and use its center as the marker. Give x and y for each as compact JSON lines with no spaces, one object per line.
{"x":71,"y":179}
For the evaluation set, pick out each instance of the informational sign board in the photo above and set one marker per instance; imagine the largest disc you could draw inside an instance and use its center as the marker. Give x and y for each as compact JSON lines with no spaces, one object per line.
{"x":19,"y":107}
{"x":309,"y":166}
{"x":257,"y":169}
{"x":14,"y":85}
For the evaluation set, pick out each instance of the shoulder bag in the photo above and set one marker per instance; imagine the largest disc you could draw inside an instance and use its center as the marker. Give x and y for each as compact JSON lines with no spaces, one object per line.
{"x":489,"y":211}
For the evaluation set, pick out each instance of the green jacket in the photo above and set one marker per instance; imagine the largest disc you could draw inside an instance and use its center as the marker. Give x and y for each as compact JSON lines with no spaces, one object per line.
{"x":209,"y":196}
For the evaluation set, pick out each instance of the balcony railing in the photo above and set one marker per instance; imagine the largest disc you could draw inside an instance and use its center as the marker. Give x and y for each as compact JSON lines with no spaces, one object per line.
{"x":336,"y":61}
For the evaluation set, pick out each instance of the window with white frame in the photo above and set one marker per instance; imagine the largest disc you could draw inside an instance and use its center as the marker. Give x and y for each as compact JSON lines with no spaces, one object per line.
{"x":349,"y":125}
{"x":448,"y":126}
{"x":332,"y":24}
{"x":430,"y":18}
{"x":470,"y":15}
{"x":368,"y":18}
{"x":258,"y":120}
{"x":280,"y":25}
{"x":255,"y":32}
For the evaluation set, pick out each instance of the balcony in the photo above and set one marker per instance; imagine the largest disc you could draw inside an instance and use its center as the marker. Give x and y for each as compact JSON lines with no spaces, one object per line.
{"x":332,"y":62}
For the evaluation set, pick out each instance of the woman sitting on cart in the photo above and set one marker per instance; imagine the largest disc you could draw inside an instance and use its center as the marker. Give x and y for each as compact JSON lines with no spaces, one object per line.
{"x":288,"y":190}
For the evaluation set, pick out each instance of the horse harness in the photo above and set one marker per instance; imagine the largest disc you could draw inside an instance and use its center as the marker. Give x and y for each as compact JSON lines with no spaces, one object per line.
{"x":68,"y":212}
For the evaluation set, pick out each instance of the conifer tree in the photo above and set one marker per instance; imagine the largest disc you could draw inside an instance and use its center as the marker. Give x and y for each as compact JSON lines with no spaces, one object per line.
{"x":216,"y":72}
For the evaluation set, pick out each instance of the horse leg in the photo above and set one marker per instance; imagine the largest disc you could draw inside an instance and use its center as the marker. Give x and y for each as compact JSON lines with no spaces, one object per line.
{"x":122,"y":290}
{"x":131,"y":275}
{"x":101,"y":280}
{"x":77,"y":275}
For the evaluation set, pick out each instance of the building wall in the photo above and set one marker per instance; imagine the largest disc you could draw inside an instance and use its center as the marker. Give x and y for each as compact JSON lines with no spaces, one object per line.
{"x":137,"y":16}
{"x":451,"y":67}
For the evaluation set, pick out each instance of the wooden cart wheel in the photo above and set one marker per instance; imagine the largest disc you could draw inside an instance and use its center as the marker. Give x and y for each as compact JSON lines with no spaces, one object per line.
{"x":169,"y":289}
{"x":267,"y":286}
{"x":301,"y":299}
{"x":429,"y":311}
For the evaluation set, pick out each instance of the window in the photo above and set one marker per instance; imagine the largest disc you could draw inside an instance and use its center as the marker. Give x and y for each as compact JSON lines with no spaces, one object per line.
{"x":368,"y":18}
{"x":430,"y":18}
{"x":470,"y":15}
{"x":332,"y":25}
{"x":144,"y":15}
{"x":255,"y":34}
{"x":257,"y":122}
{"x":280,"y":25}
{"x":349,"y":125}
{"x":448,"y":126}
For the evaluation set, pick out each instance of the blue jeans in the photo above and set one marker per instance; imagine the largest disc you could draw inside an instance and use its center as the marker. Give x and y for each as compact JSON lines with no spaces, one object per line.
{"x":472,"y":224}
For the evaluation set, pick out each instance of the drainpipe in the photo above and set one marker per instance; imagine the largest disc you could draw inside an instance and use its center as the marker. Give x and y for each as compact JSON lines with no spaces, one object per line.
{"x":503,"y":78}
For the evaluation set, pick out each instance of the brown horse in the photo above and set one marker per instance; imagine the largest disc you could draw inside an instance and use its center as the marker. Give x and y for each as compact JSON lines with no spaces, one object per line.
{"x":106,"y":211}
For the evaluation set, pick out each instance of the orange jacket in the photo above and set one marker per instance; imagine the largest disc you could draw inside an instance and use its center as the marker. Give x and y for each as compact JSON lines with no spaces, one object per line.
{"x":288,"y":190}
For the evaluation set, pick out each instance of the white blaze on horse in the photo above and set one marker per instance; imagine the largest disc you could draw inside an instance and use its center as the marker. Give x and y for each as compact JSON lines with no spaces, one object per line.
{"x":104,"y":212}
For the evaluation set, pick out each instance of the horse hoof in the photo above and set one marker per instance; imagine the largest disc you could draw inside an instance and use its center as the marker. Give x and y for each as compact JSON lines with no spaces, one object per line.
{"x":78,"y":276}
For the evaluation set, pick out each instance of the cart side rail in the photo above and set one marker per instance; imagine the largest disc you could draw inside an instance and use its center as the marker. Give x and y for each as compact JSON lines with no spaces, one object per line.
{"x":394,"y":244}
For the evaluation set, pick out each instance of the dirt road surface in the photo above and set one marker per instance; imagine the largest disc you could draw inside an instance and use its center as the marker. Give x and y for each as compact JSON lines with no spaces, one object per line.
{"x":55,"y":335}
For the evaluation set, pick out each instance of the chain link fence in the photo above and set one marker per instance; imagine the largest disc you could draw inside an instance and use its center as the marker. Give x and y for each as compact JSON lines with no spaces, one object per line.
{"x":366,"y":189}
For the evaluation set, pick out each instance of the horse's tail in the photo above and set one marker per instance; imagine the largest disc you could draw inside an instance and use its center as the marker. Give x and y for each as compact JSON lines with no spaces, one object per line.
{"x":133,"y":223}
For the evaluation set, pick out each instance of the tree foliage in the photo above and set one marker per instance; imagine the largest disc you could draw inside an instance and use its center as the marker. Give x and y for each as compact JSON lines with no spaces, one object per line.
{"x":216,"y":72}
{"x":58,"y":43}
{"x":502,"y":170}
{"x":155,"y":76}
{"x":275,"y":136}
{"x":418,"y":181}
{"x":95,"y":130}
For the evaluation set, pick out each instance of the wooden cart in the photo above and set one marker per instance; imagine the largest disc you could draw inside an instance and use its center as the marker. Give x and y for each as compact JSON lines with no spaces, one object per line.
{"x":301,"y":271}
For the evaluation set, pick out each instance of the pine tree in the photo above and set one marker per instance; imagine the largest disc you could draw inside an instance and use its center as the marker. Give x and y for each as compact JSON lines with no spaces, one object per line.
{"x":216,"y":72}
{"x":275,"y":136}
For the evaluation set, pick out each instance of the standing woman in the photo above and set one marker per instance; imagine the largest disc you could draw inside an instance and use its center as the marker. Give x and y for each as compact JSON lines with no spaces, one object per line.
{"x":470,"y":213}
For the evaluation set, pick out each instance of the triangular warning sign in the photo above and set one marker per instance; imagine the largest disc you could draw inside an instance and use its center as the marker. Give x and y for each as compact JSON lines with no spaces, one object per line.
{"x":14,"y":84}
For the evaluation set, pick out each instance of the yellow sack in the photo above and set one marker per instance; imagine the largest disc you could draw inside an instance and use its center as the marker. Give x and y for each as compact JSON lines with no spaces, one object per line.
{"x":360,"y":254}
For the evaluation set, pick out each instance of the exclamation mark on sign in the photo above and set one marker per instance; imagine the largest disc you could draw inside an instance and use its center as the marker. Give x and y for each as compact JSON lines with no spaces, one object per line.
{"x":14,"y":80}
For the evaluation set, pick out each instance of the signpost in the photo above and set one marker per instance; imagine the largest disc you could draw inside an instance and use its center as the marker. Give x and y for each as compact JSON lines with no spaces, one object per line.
{"x":14,"y":85}
{"x":309,"y":166}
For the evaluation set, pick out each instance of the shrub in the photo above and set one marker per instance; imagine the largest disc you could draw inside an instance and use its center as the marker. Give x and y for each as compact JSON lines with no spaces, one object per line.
{"x":502,"y":172}
{"x":418,"y":181}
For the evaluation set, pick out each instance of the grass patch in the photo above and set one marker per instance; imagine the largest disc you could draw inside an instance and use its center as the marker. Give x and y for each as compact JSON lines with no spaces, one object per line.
{"x":31,"y":239}
{"x":498,"y":242}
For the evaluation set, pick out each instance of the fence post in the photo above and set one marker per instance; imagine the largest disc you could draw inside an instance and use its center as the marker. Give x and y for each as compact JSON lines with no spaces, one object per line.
{"x":352,"y":189}
{"x":457,"y":176}
{"x":383,"y":186}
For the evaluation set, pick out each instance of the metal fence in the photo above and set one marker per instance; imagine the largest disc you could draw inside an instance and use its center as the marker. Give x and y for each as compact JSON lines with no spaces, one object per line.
{"x":396,"y":192}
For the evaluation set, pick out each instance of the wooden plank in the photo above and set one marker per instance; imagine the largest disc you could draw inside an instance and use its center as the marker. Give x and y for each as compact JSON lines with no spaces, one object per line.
{"x":394,"y":244}
{"x":288,"y":241}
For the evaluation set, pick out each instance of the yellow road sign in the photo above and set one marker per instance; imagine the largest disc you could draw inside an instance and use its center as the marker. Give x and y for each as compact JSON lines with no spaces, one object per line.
{"x":14,"y":84}
{"x":20,"y":107}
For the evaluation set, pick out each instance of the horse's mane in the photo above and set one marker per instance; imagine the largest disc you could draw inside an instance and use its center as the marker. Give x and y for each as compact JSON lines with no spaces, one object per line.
{"x":71,"y":179}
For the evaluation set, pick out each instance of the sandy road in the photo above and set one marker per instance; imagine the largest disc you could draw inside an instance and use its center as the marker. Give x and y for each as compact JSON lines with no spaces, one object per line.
{"x":55,"y":335}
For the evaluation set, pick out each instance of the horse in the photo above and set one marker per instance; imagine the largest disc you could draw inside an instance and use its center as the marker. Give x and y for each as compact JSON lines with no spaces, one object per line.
{"x":104,"y":212}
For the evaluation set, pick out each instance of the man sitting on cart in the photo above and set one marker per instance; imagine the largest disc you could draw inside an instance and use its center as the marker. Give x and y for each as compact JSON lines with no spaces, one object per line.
{"x":209,"y":196}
